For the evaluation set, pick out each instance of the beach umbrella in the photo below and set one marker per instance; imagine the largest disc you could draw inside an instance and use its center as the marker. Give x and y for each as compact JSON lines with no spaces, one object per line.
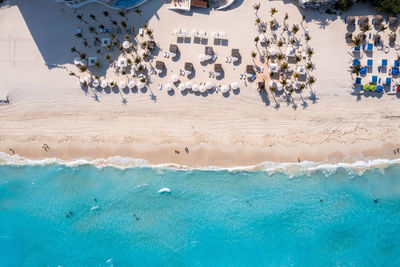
{"x":126,"y":44}
{"x":168,"y":87}
{"x":379,"y":88}
{"x":209,"y":85}
{"x":363,"y":71}
{"x":351,"y":20}
{"x":234,"y":85}
{"x":195,"y":88}
{"x":96,"y":83}
{"x":202,"y":88}
{"x":364,"y":20}
{"x":217,"y":74}
{"x":188,"y":72}
{"x":88,"y":79}
{"x":272,"y":52}
{"x":395,"y":72}
{"x":159,"y":71}
{"x":234,"y":59}
{"x":279,"y":86}
{"x":207,"y":57}
{"x":378,"y":19}
{"x":131,"y":84}
{"x":202,"y":57}
{"x":174,"y":78}
{"x":224,"y":89}
{"x":398,"y":82}
{"x":262,"y":38}
{"x":140,"y":85}
{"x":172,"y":54}
{"x":122,"y":84}
{"x":182,"y":87}
{"x":111,"y":83}
{"x":189,"y":85}
{"x":103,"y":84}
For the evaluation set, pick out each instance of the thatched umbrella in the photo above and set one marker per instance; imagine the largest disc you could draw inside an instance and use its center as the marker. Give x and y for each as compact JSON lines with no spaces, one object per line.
{"x":349,"y":37}
{"x":362,"y":36}
{"x":363,"y":20}
{"x":351,"y":20}
{"x":393,"y":21}
{"x":377,"y":38}
{"x":392,"y":37}
{"x":378,"y":19}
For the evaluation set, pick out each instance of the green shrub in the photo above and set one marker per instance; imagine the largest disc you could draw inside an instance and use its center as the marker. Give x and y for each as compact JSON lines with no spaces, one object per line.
{"x":391,"y":6}
{"x":343,"y":4}
{"x":370,"y":87}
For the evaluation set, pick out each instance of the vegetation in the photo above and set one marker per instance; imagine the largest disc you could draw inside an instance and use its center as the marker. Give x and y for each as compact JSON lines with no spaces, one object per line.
{"x":256,"y":7}
{"x":273,"y":11}
{"x":369,"y":87}
{"x":391,"y":6}
{"x":343,"y":4}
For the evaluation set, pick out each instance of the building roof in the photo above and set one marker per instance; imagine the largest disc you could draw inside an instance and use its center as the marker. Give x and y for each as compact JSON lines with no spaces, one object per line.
{"x":200,"y":3}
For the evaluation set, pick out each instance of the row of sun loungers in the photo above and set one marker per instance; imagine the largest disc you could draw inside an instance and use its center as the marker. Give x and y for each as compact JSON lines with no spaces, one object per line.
{"x":198,"y":34}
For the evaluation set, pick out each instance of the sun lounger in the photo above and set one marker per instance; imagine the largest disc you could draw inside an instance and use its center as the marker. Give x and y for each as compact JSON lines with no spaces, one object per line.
{"x":357,"y":80}
{"x":356,"y":62}
{"x":369,"y":63}
{"x":373,"y":79}
{"x":388,"y":81}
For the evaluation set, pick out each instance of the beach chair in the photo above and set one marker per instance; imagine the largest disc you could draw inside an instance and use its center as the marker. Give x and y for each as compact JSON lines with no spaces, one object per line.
{"x":369,"y":47}
{"x":356,"y":49}
{"x":369,"y":63}
{"x":395,"y":64}
{"x":388,"y":81}
{"x":356,"y":62}
{"x":374,"y":79}
{"x":357,"y":80}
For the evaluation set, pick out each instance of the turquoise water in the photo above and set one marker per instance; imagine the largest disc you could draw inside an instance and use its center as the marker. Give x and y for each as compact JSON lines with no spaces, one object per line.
{"x":127,"y":3}
{"x":210,"y":218}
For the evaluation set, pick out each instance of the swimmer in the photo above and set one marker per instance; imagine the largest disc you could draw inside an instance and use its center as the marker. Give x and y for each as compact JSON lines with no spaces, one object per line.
{"x":70,"y":213}
{"x":376,"y":200}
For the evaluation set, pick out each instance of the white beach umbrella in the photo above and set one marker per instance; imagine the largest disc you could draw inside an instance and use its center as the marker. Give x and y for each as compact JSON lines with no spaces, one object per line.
{"x":126,"y":44}
{"x":168,"y":87}
{"x":88,"y":79}
{"x":224,"y":88}
{"x":234,"y":59}
{"x":159,"y":71}
{"x":140,"y":85}
{"x":189,"y":85}
{"x":202,"y":88}
{"x":234,"y":85}
{"x":172,"y":54}
{"x":174,"y":78}
{"x":273,"y":67}
{"x":290,"y":52}
{"x":103,"y":84}
{"x":202,"y":57}
{"x":207,"y":57}
{"x":182,"y":87}
{"x":188,"y":72}
{"x":78,"y":61}
{"x":131,"y":84}
{"x":111,"y":83}
{"x":279,"y":86}
{"x":195,"y":88}
{"x":217,"y":74}
{"x":398,"y":82}
{"x":96,"y":83}
{"x":122,"y":84}
{"x":209,"y":85}
{"x":262,"y":38}
{"x":272,"y":52}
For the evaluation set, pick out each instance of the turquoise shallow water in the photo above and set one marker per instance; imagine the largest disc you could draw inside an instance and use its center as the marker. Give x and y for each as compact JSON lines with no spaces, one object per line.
{"x":210,"y":218}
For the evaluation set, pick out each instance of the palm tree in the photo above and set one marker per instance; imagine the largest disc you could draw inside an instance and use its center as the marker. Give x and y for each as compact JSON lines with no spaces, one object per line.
{"x":311,"y":80}
{"x":93,"y":16}
{"x":82,"y":68}
{"x":71,"y":73}
{"x":303,"y":18}
{"x":82,"y":56}
{"x":295,"y":28}
{"x":123,"y":72}
{"x":80,"y":17}
{"x":79,"y":35}
{"x":256,"y":40}
{"x":144,"y":26}
{"x":121,"y":13}
{"x":273,"y":11}
{"x":105,"y":13}
{"x":283,"y":82}
{"x":129,"y":61}
{"x":113,"y":36}
{"x":149,"y":32}
{"x":114,"y":22}
{"x":109,"y":46}
{"x":382,"y":28}
{"x":144,"y":44}
{"x":256,"y":7}
{"x":271,"y":23}
{"x":309,"y":66}
{"x":137,"y":60}
{"x":297,"y":58}
{"x":73,"y":50}
{"x":123,"y":24}
{"x":272,"y":88}
{"x":292,"y":41}
{"x":355,"y":69}
{"x":101,"y":26}
{"x":308,"y":38}
{"x":108,"y":57}
{"x":279,"y":57}
{"x":253,"y":54}
{"x":301,"y":87}
{"x":143,"y":79}
{"x":284,"y":66}
{"x":98,"y":51}
{"x":280,"y":43}
{"x":296,"y":75}
{"x":138,"y":11}
{"x":356,"y":41}
{"x":286,"y":17}
{"x":258,"y":21}
{"x":97,"y":64}
{"x":127,"y":37}
{"x":365,"y":27}
{"x":85,"y":43}
{"x":310,"y":51}
{"x":140,"y":68}
{"x":92,"y":29}
{"x":112,"y":84}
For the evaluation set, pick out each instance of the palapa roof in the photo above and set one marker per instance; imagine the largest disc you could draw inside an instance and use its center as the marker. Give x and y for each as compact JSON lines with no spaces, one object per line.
{"x":377,"y":38}
{"x":188,"y":66}
{"x":173,"y":48}
{"x":235,"y":52}
{"x":392,"y":38}
{"x":159,"y":65}
{"x":362,"y":36}
{"x":393,"y":21}
{"x":218,"y":68}
{"x":250,"y":69}
{"x":208,"y":50}
{"x":351,"y":20}
{"x":378,"y":19}
{"x":364,"y":20}
{"x":349,"y":36}
{"x":151,"y":45}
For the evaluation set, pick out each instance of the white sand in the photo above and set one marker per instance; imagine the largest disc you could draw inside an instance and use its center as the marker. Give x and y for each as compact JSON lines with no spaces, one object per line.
{"x":47,"y":105}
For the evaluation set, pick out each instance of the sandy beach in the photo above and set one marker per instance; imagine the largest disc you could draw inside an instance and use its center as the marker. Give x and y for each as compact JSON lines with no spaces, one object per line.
{"x":331,"y":121}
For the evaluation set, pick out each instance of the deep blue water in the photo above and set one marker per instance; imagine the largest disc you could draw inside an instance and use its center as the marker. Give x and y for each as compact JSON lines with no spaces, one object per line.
{"x":210,"y":218}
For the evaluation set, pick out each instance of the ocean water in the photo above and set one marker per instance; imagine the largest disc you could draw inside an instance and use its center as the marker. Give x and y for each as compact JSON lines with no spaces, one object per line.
{"x":335,"y":217}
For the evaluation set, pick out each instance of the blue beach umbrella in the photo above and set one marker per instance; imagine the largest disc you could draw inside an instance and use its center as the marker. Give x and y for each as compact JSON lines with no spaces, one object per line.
{"x":363,"y":71}
{"x":379,"y":88}
{"x":395,"y":72}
